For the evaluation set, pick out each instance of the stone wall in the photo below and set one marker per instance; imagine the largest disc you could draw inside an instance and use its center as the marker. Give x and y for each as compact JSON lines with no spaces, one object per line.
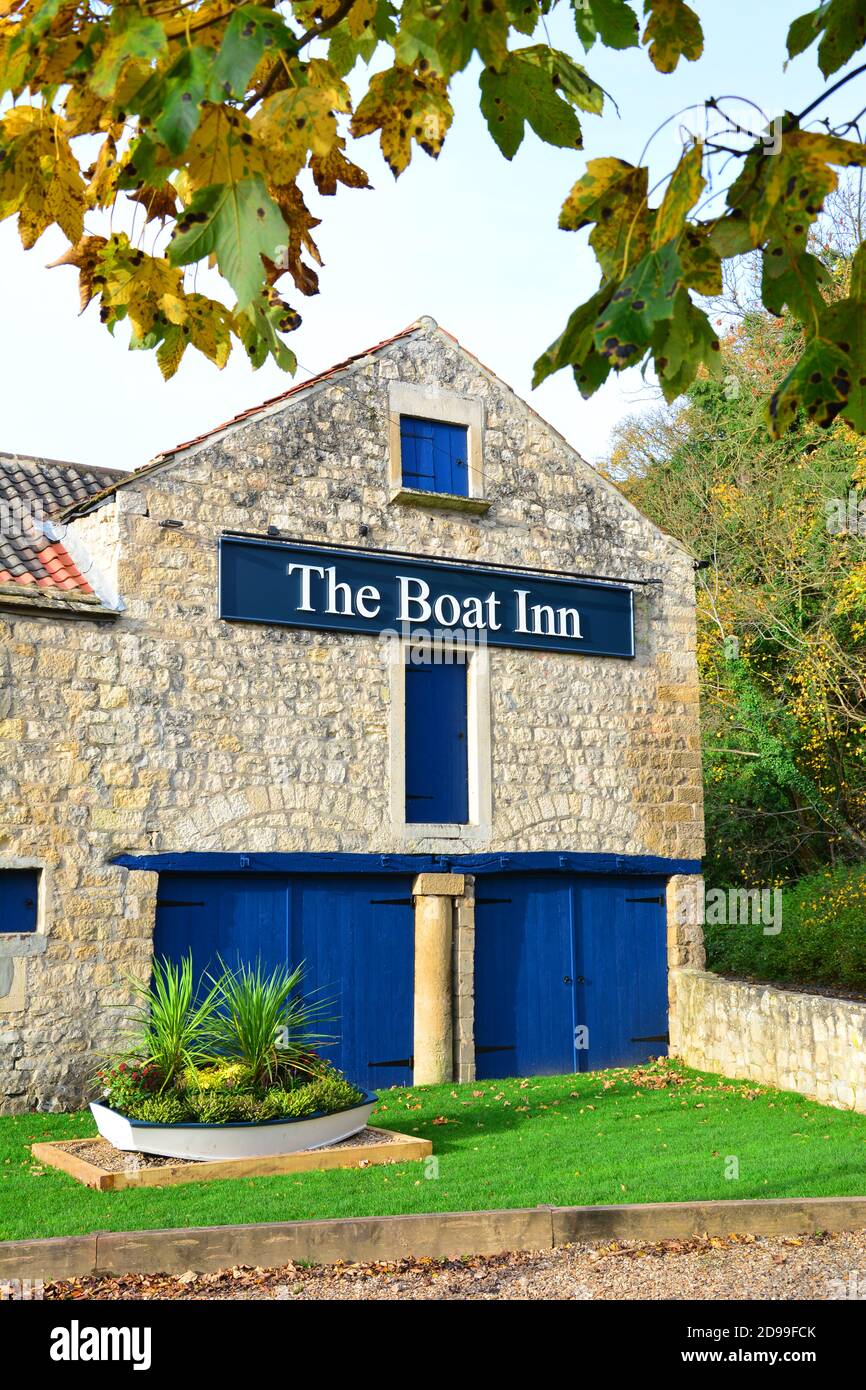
{"x":168,"y":729}
{"x":797,"y":1042}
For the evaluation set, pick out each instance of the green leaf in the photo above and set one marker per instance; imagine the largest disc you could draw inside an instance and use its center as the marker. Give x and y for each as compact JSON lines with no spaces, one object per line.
{"x":238,"y":223}
{"x":538,"y":85}
{"x":575,"y":342}
{"x":172,"y":100}
{"x":681,"y":344}
{"x":793,"y":278}
{"x":842,"y":25}
{"x":673,"y":31}
{"x":819,"y":383}
{"x":612,"y":21}
{"x":140,"y":39}
{"x":645,"y":296}
{"x":258,"y":326}
{"x":250,"y":33}
{"x":446,"y":35}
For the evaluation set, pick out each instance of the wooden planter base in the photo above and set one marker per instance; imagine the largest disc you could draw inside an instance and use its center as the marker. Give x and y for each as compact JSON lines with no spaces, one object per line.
{"x":399,"y":1148}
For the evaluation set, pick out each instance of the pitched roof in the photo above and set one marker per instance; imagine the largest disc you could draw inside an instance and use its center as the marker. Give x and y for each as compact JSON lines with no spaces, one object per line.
{"x":32,"y":491}
{"x":273,"y":402}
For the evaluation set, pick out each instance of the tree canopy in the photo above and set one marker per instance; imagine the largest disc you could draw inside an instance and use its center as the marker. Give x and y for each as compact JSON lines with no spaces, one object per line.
{"x":780,"y":529}
{"x":205,"y":115}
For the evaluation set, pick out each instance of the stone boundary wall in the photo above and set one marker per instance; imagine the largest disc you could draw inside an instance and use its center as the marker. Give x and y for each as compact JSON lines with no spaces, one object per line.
{"x":808,"y":1043}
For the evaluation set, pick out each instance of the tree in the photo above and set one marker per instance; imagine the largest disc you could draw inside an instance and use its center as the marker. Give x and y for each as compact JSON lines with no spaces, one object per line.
{"x":780,"y":529}
{"x":204,"y":113}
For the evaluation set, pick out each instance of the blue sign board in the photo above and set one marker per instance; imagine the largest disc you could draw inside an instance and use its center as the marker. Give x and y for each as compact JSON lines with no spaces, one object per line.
{"x":337,"y":589}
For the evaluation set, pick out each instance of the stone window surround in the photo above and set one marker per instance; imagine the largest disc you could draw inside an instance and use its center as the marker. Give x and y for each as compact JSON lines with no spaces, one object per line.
{"x":478,"y":716}
{"x":432,"y":402}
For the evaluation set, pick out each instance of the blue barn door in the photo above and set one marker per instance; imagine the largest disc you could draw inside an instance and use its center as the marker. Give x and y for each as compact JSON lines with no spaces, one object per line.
{"x":437,"y":767}
{"x":356,"y":935}
{"x":353,"y":933}
{"x":524,"y":969}
{"x":236,"y":918}
{"x":622,"y":995}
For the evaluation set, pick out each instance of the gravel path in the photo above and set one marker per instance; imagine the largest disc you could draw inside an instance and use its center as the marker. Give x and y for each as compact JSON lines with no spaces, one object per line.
{"x":789,"y":1267}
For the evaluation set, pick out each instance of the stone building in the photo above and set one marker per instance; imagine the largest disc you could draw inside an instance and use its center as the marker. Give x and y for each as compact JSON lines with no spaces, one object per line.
{"x":380,"y":675}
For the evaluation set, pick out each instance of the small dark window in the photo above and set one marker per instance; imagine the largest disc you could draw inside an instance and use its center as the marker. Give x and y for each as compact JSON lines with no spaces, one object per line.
{"x":437,"y":767}
{"x":434,"y":456}
{"x":19,"y":897}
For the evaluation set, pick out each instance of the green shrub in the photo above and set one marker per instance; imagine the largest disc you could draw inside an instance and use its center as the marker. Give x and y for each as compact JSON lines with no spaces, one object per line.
{"x":215,"y":1107}
{"x":822,"y":940}
{"x":165,"y":1109}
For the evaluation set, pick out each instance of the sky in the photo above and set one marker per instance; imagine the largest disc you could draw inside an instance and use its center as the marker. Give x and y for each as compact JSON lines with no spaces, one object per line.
{"x":470,"y":239}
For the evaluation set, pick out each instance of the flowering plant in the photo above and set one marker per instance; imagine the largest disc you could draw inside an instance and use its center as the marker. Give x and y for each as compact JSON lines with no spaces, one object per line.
{"x":128,"y":1082}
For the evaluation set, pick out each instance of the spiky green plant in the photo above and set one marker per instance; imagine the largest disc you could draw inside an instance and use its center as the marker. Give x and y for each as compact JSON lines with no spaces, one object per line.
{"x":173,"y":1026}
{"x":266,"y":1023}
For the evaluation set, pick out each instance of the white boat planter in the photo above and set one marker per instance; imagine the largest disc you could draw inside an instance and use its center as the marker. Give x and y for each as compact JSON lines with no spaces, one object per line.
{"x":237,"y":1139}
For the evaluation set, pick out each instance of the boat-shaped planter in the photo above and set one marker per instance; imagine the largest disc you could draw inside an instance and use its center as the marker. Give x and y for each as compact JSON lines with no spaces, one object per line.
{"x":237,"y":1139}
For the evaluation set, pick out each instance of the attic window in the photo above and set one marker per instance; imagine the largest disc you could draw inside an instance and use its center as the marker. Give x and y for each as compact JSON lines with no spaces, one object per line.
{"x":434,"y":455}
{"x":436,"y":448}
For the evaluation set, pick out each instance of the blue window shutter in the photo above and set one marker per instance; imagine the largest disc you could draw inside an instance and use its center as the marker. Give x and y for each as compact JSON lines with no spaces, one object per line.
{"x":434,"y":456}
{"x":437,"y":769}
{"x":19,"y":893}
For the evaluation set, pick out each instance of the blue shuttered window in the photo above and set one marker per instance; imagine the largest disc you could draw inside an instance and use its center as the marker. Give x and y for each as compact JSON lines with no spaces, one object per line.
{"x":434,"y":456}
{"x":437,"y":770}
{"x":19,"y":894}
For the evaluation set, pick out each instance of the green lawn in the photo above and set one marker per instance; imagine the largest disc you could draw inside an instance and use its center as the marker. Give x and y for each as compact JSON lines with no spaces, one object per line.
{"x":662,"y":1134}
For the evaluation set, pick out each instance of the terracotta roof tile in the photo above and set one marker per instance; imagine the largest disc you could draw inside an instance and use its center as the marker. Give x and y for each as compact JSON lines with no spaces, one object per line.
{"x":32,"y":490}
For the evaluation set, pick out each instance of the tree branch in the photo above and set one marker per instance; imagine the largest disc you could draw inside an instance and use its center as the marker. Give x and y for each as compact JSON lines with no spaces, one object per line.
{"x":330,"y":23}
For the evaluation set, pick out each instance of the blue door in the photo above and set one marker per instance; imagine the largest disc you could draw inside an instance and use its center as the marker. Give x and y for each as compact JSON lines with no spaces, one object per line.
{"x":570,"y":973}
{"x":228,"y":917}
{"x":354,"y":933}
{"x":524,"y":967}
{"x":437,"y":767}
{"x":357,"y":937}
{"x":622,"y":993}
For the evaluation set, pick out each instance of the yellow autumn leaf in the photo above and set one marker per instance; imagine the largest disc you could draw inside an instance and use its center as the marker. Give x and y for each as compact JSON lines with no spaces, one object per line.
{"x":405,"y":106}
{"x":40,"y":178}
{"x":293,"y":123}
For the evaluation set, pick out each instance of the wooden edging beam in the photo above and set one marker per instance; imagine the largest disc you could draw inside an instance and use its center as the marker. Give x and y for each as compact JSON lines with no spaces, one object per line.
{"x":437,"y":1234}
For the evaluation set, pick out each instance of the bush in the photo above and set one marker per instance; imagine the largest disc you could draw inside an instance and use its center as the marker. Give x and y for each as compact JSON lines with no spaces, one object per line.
{"x":126,"y":1083}
{"x":232,"y":1077}
{"x":167,"y":1109}
{"x":822,"y":941}
{"x":215,"y":1107}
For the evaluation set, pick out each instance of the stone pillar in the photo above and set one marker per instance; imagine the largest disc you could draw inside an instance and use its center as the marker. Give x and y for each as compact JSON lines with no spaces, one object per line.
{"x":685,"y":918}
{"x":464,"y":983}
{"x":433,"y":1045}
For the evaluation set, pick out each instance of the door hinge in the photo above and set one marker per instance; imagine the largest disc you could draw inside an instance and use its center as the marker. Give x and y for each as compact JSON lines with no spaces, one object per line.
{"x":659,"y":900}
{"x":395,"y":1062}
{"x":654,"y":1037}
{"x":176,"y":902}
{"x":485,"y":902}
{"x":505,"y":1047}
{"x":391,"y":902}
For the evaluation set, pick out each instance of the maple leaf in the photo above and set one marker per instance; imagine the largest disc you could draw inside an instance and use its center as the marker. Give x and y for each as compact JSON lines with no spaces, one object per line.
{"x":405,"y":106}
{"x":614,"y":22}
{"x":538,"y":85}
{"x":842,"y":26}
{"x":293,"y":123}
{"x":447,"y":35}
{"x":645,"y":296}
{"x":685,"y":187}
{"x":300,"y":223}
{"x":133,"y":38}
{"x":237,"y":223}
{"x":102,"y":175}
{"x":40,"y":178}
{"x":85,"y":257}
{"x":612,"y":194}
{"x":673,"y":31}
{"x":332,"y":168}
{"x":159,"y":203}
